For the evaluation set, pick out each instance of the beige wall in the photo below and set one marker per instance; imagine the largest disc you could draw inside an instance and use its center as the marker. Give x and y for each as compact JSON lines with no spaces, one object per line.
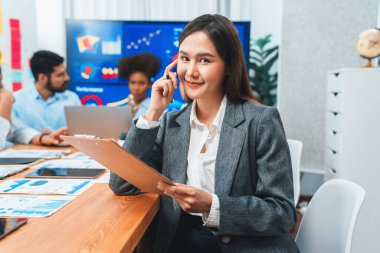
{"x":317,"y":36}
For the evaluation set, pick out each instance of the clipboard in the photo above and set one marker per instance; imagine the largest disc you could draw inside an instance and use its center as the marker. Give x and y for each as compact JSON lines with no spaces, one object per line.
{"x":118,"y":160}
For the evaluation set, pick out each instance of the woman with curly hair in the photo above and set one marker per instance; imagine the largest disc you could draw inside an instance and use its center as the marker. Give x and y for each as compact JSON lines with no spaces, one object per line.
{"x":139,"y":70}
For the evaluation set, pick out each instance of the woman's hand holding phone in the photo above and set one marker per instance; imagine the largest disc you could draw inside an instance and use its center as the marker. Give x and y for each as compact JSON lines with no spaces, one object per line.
{"x":162,"y":93}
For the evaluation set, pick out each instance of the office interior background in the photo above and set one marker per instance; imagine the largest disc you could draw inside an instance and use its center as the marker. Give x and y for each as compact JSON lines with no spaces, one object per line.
{"x":314,"y":37}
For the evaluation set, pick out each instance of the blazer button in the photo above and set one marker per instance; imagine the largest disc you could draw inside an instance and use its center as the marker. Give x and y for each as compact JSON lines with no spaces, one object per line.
{"x":225,"y":239}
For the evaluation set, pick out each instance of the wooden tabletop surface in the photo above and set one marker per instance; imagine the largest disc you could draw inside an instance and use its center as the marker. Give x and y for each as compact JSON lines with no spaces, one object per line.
{"x":95,"y":221}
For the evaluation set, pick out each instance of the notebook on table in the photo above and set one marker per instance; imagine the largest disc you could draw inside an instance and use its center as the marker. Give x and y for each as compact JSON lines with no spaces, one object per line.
{"x":118,"y":160}
{"x":103,"y":121}
{"x":16,"y":160}
{"x":10,"y":170}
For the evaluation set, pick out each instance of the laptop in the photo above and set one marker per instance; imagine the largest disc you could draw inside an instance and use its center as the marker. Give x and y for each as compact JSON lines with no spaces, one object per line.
{"x":102,"y":121}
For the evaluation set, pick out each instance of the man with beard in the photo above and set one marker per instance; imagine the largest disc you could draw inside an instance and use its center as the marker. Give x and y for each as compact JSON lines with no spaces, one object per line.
{"x":41,"y":106}
{"x":12,"y":130}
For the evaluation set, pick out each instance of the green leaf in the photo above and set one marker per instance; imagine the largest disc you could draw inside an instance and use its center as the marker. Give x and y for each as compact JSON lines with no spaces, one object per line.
{"x":253,"y":58}
{"x":261,"y":42}
{"x":269,"y":51}
{"x":255,"y":51}
{"x":268,"y":65}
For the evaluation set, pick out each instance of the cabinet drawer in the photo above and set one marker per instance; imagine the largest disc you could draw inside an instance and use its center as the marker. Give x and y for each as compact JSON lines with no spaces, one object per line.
{"x":332,"y":159}
{"x":334,"y":121}
{"x":331,"y":173}
{"x":333,"y":140}
{"x":335,"y":102}
{"x":335,"y":82}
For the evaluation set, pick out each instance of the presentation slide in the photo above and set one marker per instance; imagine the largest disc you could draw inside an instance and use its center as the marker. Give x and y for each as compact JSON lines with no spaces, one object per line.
{"x":94,"y":48}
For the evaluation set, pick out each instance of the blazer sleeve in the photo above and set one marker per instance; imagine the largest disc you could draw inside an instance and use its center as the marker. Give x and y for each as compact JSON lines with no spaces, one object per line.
{"x":146,"y":145}
{"x":270,"y":211}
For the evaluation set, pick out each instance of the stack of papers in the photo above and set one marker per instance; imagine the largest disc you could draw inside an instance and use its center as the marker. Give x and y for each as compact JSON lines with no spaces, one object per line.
{"x":41,"y":206}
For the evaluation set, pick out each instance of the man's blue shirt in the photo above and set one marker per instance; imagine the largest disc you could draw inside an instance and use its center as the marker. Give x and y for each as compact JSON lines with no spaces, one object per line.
{"x":36,"y":112}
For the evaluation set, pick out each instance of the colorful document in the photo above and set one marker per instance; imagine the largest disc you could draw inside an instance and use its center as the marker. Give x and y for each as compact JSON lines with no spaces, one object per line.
{"x":32,"y":206}
{"x":46,"y":186}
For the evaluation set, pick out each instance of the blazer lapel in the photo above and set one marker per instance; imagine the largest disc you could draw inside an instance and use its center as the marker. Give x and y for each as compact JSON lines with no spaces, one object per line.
{"x":180,"y":132}
{"x":230,"y":145}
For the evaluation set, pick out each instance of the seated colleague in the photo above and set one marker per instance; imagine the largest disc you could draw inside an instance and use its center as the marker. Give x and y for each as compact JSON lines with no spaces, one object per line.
{"x":12,"y":129}
{"x":139,"y":70}
{"x":227,"y":154}
{"x":41,"y":106}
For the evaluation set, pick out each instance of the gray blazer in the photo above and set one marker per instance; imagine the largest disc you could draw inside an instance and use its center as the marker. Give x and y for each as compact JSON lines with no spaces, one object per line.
{"x":253,"y":177}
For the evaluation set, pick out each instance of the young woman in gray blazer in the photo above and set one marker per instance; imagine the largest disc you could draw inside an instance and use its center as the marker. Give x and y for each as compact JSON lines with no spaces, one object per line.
{"x":227,"y":153}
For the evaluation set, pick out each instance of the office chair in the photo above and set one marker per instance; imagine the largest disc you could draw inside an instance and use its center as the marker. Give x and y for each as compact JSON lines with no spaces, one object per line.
{"x":295,"y":148}
{"x":328,"y":223}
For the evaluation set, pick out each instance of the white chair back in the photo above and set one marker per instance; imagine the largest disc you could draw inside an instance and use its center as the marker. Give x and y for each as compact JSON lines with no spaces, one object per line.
{"x":295,"y":148}
{"x":328,"y":223}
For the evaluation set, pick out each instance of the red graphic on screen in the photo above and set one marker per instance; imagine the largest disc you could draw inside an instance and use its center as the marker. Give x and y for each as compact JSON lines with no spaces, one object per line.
{"x":88,"y":98}
{"x":110,"y":73}
{"x":86,"y":43}
{"x":87,"y":71}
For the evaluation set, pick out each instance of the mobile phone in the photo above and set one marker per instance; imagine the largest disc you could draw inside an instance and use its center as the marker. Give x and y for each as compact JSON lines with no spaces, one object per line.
{"x":7,"y":225}
{"x":65,"y":173}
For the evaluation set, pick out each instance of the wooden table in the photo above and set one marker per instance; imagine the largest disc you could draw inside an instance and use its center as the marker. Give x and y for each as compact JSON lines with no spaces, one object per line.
{"x":96,"y":221}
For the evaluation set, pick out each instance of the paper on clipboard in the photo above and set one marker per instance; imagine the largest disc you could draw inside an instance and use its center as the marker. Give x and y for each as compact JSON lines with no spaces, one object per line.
{"x":127,"y":166}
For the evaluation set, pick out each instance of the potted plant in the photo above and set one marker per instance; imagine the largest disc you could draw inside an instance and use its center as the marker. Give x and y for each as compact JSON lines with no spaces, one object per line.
{"x":263,"y":78}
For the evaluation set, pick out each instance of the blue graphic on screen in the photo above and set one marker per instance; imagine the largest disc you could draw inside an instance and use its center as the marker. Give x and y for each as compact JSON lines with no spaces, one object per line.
{"x":160,"y":38}
{"x":95,"y":71}
{"x":95,"y":47}
{"x":95,"y":39}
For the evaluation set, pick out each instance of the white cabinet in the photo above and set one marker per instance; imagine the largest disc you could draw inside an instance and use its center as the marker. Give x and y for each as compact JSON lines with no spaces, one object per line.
{"x":352,"y":143}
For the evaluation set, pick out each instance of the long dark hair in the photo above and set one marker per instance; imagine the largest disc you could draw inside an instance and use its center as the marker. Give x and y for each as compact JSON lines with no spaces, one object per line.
{"x":223,"y":34}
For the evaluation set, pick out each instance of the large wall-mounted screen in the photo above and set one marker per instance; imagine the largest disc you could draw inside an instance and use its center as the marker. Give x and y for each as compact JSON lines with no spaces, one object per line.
{"x":94,"y":48}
